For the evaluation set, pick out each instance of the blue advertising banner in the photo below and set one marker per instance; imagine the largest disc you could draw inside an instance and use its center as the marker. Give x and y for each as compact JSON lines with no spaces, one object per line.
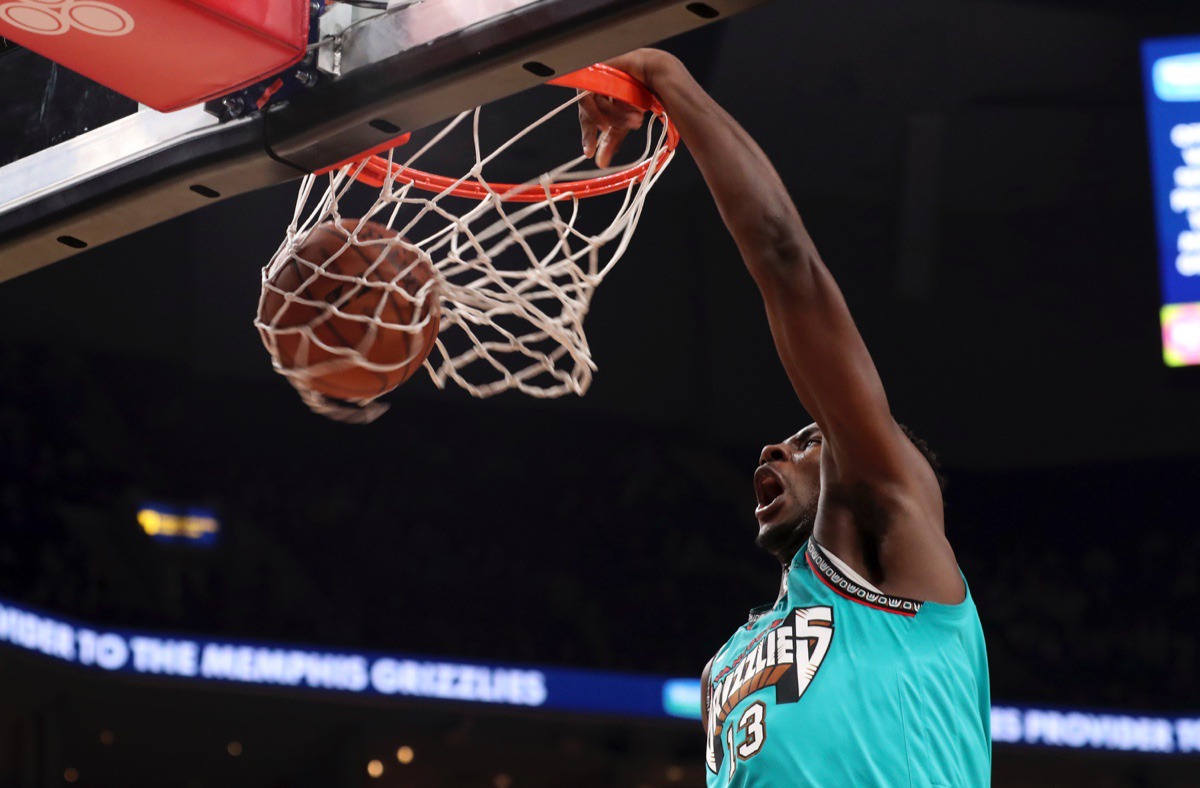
{"x":301,"y":668}
{"x":1078,"y":729}
{"x":1171,"y":74}
{"x":355,"y":672}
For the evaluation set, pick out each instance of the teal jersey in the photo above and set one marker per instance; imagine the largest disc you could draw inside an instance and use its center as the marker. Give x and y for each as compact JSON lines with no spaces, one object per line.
{"x":837,"y":685}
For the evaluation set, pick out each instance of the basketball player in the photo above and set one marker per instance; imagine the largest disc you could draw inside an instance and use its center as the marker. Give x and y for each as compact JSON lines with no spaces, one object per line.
{"x":870,"y":668}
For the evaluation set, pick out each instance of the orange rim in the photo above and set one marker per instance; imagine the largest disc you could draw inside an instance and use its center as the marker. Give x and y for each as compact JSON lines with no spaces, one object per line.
{"x":600,"y":79}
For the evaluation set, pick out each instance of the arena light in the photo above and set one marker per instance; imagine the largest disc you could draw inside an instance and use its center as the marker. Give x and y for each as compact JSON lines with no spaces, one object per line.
{"x":190,"y":525}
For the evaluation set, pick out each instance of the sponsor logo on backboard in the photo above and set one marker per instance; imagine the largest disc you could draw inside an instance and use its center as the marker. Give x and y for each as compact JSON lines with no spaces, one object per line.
{"x":55,"y":17}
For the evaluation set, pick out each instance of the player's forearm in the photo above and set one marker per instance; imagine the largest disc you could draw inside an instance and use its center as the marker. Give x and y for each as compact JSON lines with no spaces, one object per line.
{"x":751,"y":197}
{"x":818,"y":343}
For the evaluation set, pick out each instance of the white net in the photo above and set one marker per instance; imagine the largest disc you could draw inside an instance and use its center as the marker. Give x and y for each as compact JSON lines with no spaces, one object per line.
{"x":514,"y":267}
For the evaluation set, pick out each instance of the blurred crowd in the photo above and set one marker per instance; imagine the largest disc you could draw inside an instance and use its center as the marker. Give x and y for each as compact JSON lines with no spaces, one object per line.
{"x":526,"y":532}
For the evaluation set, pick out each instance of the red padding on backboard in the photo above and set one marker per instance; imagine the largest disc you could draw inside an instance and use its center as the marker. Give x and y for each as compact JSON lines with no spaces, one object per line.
{"x":167,"y":54}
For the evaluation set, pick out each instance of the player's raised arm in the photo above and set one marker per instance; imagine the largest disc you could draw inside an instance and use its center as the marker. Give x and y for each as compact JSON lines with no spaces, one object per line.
{"x":820,"y":347}
{"x":881,"y":504}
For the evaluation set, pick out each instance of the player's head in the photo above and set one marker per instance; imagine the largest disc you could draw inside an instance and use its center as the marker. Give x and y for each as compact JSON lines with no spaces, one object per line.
{"x":787,"y":485}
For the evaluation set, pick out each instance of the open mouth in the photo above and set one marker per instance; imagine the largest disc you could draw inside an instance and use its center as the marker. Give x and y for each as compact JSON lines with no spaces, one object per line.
{"x":768,"y":489}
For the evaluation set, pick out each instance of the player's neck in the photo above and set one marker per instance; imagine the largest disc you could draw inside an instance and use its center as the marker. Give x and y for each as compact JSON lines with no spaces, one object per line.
{"x":783,"y":584}
{"x":793,"y":542}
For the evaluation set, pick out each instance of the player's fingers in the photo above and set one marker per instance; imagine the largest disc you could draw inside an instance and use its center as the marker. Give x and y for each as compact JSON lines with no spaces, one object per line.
{"x":611,"y":112}
{"x":588,"y":125}
{"x":609,"y":141}
{"x":604,"y":123}
{"x":622,"y":115}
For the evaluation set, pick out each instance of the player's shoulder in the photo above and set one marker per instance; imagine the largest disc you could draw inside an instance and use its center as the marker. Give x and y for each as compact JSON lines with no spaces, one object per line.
{"x":908,"y":558}
{"x":902,"y":502}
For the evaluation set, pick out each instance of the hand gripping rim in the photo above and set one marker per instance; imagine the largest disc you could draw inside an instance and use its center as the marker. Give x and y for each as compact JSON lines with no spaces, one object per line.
{"x":601,"y":79}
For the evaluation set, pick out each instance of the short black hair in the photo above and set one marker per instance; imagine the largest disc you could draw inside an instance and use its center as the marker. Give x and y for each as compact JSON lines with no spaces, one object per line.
{"x":927,"y":453}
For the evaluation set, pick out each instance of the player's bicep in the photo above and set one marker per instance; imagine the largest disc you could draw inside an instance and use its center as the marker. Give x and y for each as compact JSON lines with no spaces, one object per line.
{"x":705,"y":676}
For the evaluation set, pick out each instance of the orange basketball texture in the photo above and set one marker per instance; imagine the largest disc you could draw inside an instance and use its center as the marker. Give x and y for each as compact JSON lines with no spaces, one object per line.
{"x":349,"y":380}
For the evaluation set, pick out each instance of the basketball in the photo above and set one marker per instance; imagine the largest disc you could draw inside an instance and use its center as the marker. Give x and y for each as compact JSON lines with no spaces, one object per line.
{"x":341,"y":314}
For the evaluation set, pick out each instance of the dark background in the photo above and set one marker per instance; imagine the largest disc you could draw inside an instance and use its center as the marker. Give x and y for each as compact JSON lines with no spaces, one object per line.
{"x":976,"y":177}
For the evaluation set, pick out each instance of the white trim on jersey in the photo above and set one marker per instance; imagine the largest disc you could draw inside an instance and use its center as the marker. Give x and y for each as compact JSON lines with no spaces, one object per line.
{"x":845,"y":569}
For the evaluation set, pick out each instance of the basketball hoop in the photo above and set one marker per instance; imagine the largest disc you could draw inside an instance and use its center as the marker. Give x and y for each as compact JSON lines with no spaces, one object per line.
{"x":516,"y":263}
{"x":599,"y":79}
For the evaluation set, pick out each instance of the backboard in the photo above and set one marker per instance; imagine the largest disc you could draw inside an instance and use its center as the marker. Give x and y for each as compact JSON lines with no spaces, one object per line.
{"x":81,"y":165}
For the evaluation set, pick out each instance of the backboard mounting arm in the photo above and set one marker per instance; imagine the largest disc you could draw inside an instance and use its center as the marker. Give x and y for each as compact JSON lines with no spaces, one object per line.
{"x":67,"y":198}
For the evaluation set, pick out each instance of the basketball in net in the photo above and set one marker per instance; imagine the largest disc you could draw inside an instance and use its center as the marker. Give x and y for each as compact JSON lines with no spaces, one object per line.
{"x":351,"y":314}
{"x":481,"y":278}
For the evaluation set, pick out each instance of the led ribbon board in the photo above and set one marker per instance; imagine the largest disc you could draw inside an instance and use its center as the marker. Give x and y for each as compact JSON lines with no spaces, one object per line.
{"x":303,"y":668}
{"x":1077,"y":729}
{"x":1171,"y":69}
